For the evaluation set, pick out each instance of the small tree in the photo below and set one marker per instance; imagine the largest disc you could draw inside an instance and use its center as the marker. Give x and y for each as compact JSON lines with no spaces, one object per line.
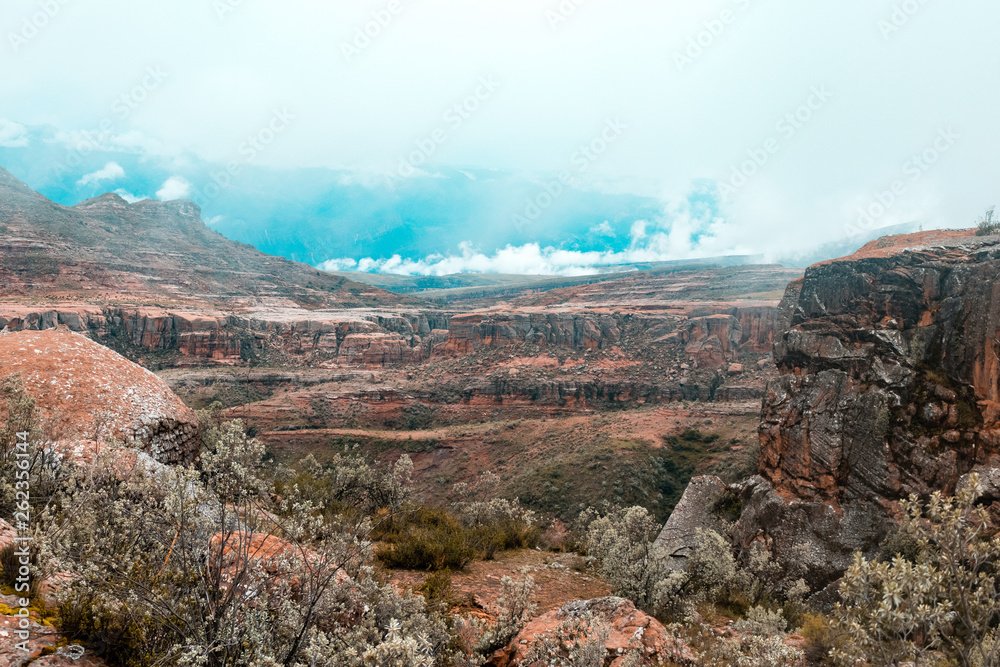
{"x":948,"y":601}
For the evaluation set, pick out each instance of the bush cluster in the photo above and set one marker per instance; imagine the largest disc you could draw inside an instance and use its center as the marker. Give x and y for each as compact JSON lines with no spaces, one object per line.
{"x":477,"y":526}
{"x":238,"y":562}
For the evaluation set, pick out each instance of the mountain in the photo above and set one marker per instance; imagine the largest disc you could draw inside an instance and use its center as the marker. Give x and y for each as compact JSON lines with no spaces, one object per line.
{"x":105,"y":249}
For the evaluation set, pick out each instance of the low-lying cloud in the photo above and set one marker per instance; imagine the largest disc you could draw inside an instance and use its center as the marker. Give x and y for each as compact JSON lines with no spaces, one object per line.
{"x":686,"y":238}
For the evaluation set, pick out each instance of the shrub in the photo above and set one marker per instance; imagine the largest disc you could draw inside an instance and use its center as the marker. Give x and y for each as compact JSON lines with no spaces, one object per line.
{"x":515,"y":607}
{"x":623,"y":542}
{"x":488,"y":540}
{"x":122,"y":639}
{"x":10,"y":565}
{"x":989,"y":224}
{"x":436,"y":589}
{"x":350,"y":484}
{"x":163,"y":573}
{"x":819,"y":635}
{"x":426,"y":539}
{"x":495,"y":524}
{"x":947,"y":601}
{"x":761,"y":621}
{"x":752,"y":651}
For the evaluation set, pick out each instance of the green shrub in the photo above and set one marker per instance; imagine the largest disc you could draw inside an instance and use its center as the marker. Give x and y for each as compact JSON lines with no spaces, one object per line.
{"x":502,"y":535}
{"x":436,"y":589}
{"x":9,"y":566}
{"x":116,"y":636}
{"x":425,"y":539}
{"x":819,"y":636}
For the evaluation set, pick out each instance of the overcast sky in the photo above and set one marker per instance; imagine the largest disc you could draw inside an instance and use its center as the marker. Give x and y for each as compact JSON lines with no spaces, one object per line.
{"x":694,"y":88}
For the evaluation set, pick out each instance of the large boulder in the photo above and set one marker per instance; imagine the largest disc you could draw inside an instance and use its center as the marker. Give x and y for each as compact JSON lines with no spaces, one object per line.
{"x":628,"y":628}
{"x":86,"y":391}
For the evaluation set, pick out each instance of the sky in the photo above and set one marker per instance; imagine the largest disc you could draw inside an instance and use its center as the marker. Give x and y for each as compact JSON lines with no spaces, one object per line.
{"x":528,"y":136}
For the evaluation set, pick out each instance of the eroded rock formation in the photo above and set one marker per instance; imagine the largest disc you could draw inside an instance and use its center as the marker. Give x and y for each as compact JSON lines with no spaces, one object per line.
{"x":889,"y":386}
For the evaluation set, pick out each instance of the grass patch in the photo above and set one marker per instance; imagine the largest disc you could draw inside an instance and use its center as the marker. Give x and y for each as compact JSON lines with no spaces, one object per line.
{"x":374,"y":445}
{"x":424,"y":538}
{"x":619,"y":472}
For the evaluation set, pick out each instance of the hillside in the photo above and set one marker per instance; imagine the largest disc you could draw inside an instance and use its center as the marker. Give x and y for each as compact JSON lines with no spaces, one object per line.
{"x":105,"y":250}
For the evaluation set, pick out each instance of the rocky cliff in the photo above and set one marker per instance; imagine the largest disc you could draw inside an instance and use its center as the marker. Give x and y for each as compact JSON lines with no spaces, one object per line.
{"x":889,"y":386}
{"x":710,"y":335}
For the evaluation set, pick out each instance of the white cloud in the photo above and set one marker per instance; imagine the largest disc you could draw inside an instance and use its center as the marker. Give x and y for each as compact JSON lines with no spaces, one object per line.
{"x":128,"y":196}
{"x":132,"y":141}
{"x":111,"y":171}
{"x":603,"y":229}
{"x":175,"y":187}
{"x":687,"y":237}
{"x":13,"y":135}
{"x":891,"y":94}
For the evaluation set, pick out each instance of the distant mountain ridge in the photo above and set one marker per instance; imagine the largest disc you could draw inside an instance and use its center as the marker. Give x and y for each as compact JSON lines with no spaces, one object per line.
{"x":149,"y":252}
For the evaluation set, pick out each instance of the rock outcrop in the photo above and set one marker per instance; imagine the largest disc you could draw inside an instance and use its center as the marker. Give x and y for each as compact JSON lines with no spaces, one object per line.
{"x":695,"y":511}
{"x":86,"y":391}
{"x":889,"y":386}
{"x":628,"y":629}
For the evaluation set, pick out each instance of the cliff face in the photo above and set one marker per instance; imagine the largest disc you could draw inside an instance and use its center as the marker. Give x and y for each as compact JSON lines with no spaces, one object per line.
{"x":712,"y":336}
{"x":890,"y":385}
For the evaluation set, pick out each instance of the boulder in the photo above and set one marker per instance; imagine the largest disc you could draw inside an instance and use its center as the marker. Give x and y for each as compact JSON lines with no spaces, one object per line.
{"x":86,"y":391}
{"x":627,"y":627}
{"x":696,"y":510}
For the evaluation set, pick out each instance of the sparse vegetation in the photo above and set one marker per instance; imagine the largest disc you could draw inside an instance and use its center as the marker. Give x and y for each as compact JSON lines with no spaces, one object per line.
{"x":623,"y":473}
{"x":944,"y":602}
{"x":989,"y":224}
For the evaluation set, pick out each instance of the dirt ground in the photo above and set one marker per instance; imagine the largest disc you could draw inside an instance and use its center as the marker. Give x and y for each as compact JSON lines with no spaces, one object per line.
{"x":557,"y":580}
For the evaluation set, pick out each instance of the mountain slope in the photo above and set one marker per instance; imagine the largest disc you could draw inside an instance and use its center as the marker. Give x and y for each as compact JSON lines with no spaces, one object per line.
{"x":106,"y":249}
